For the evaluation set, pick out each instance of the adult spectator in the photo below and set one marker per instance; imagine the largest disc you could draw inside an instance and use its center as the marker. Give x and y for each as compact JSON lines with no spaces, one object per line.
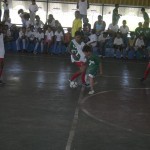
{"x":22,"y":16}
{"x":139,"y":30}
{"x":6,"y":10}
{"x":77,"y":23}
{"x":145,"y":16}
{"x":83,"y":5}
{"x":0,"y":10}
{"x":113,"y":28}
{"x":99,"y":25}
{"x":116,"y":15}
{"x":33,"y":8}
{"x":38,"y":23}
{"x":50,"y":21}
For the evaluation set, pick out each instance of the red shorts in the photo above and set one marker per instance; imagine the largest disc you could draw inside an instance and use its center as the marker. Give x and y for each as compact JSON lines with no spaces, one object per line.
{"x":79,"y":64}
{"x":1,"y":60}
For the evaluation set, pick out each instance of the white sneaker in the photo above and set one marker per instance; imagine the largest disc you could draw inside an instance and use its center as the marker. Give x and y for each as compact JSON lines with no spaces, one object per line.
{"x":91,"y":92}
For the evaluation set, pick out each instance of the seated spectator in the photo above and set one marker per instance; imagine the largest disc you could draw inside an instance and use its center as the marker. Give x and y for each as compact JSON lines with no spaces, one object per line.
{"x":39,"y":39}
{"x":131,"y":41}
{"x":58,"y":25}
{"x":113,"y":28}
{"x":50,"y":21}
{"x":67,"y":37}
{"x":86,"y":25}
{"x":59,"y":38}
{"x":99,"y":25}
{"x":118,"y":42}
{"x":8,"y":23}
{"x":49,"y":38}
{"x":38,"y":23}
{"x":22,"y":38}
{"x":139,"y":30}
{"x":93,"y":41}
{"x":8,"y":37}
{"x":124,"y":30}
{"x":101,"y":43}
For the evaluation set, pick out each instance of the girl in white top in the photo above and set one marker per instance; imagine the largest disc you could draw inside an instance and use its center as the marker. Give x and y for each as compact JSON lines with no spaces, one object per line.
{"x":39,"y":40}
{"x":59,"y":37}
{"x":49,"y":38}
{"x":33,"y":8}
{"x":2,"y":53}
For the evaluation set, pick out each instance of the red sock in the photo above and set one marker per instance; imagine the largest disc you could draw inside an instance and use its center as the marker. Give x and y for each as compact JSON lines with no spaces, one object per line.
{"x":83,"y":77}
{"x":75,"y":75}
{"x":146,"y":73}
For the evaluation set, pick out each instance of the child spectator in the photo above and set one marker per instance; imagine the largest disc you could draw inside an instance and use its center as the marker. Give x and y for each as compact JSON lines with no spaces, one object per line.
{"x":101,"y":43}
{"x":38,"y":23}
{"x":93,"y":66}
{"x":67,"y":37}
{"x":93,"y":41}
{"x":49,"y":38}
{"x":59,"y":37}
{"x":118,"y":42}
{"x":39,"y":40}
{"x":22,"y":38}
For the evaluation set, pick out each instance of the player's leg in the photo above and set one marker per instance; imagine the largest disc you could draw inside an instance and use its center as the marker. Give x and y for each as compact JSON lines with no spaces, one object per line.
{"x":91,"y":79}
{"x":146,"y":72}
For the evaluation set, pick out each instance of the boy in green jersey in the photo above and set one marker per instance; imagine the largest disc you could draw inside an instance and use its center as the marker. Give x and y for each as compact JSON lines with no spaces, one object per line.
{"x":94,"y":65}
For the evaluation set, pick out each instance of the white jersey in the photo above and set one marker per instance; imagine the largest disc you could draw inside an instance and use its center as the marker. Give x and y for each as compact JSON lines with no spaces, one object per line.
{"x":83,"y":7}
{"x":76,"y":49}
{"x":58,"y":35}
{"x":2,"y":50}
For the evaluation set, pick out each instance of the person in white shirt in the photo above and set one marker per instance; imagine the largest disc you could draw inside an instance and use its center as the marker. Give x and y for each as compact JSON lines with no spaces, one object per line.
{"x":8,"y":23}
{"x":50,"y":21}
{"x":83,"y":5}
{"x":124,"y":29}
{"x":2,"y":53}
{"x":113,"y":28}
{"x":59,"y":38}
{"x":22,"y":38}
{"x":33,"y":8}
{"x":38,"y":23}
{"x":39,"y":40}
{"x":6,"y":10}
{"x":118,"y":42}
{"x":49,"y":38}
{"x":27,"y":23}
{"x":93,"y":41}
{"x":22,"y":16}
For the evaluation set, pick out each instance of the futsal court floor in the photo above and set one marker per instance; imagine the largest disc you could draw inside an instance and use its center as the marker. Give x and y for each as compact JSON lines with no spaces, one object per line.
{"x":39,"y":111}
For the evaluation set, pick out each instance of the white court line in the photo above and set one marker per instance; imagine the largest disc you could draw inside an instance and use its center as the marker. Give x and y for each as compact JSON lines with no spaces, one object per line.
{"x":74,"y":122}
{"x":106,"y":122}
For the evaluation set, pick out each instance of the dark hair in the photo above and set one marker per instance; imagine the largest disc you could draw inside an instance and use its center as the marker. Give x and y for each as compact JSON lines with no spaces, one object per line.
{"x":142,"y":9}
{"x":78,"y":33}
{"x":87,"y":48}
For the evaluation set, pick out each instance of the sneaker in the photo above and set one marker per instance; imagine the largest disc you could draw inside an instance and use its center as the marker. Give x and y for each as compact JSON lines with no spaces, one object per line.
{"x":142,"y":79}
{"x":91,"y":92}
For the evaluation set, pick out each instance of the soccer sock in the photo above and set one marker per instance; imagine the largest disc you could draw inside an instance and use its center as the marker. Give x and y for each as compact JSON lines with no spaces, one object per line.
{"x":83,"y":77}
{"x":75,"y":76}
{"x":146,"y":73}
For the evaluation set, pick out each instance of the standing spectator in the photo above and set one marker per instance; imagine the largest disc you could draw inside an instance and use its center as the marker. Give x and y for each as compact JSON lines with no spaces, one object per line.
{"x":83,"y":5}
{"x":22,"y":16}
{"x":99,"y":25}
{"x":124,"y":29}
{"x":77,"y":23}
{"x":6,"y":10}
{"x":116,"y":15}
{"x":145,"y":16}
{"x":33,"y":8}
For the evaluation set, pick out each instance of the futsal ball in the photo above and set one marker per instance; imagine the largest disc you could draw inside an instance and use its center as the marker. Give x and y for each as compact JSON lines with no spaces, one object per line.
{"x":73,"y":84}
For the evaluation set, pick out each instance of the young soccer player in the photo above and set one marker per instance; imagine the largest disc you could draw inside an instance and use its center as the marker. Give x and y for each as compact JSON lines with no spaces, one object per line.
{"x":77,"y":56}
{"x":2,"y":53}
{"x":93,"y":66}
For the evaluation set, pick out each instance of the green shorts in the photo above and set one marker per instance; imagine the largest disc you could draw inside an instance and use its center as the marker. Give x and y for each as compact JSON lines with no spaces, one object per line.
{"x":92,"y":72}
